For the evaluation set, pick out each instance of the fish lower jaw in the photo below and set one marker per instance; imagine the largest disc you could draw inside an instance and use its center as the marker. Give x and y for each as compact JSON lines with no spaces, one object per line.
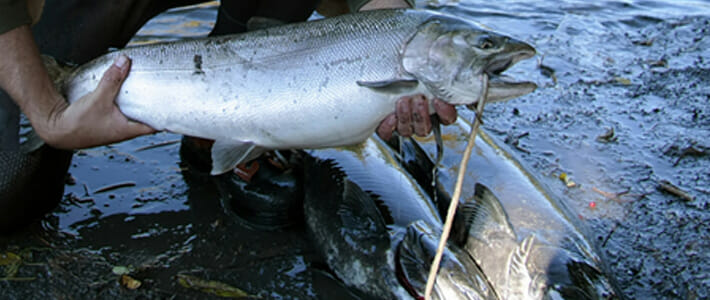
{"x":502,"y":88}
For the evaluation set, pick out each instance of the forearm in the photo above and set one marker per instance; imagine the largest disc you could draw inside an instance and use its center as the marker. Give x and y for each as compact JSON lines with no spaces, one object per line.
{"x":24,"y":78}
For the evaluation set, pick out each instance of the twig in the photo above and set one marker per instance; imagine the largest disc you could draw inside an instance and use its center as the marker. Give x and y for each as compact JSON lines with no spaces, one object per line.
{"x":17,"y":278}
{"x":114,"y":186}
{"x":667,"y":186}
{"x":457,"y":192}
{"x":616,"y":197}
{"x":161,"y":144}
{"x":86,"y":189}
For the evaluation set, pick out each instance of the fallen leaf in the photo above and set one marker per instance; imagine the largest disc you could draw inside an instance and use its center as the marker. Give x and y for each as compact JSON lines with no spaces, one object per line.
{"x":608,"y":136}
{"x":121,"y":270}
{"x":212,"y":287}
{"x":130,"y":282}
{"x":9,"y":258}
{"x":568,"y":182}
{"x":622,"y":81}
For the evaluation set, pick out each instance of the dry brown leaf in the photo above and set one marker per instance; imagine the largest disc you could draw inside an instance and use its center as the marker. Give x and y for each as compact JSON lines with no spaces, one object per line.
{"x":212,"y":287}
{"x":130,"y":282}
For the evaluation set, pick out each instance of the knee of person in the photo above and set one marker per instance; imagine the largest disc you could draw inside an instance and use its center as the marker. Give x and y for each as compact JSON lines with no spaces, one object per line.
{"x":17,"y":213}
{"x":31,"y":185}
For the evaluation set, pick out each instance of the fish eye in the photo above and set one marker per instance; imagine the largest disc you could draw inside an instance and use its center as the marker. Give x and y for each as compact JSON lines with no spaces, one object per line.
{"x":485,"y":42}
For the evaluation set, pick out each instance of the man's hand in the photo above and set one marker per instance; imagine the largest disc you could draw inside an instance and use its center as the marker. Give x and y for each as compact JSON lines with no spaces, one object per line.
{"x":412,"y":114}
{"x":412,"y":117}
{"x":95,"y":119}
{"x":91,"y":121}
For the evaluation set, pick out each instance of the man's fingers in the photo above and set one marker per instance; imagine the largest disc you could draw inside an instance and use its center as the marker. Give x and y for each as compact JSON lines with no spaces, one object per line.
{"x":445,"y":111}
{"x":404,"y":116}
{"x":111,"y":82}
{"x":420,"y":115}
{"x":387,"y":127}
{"x":138,"y":129}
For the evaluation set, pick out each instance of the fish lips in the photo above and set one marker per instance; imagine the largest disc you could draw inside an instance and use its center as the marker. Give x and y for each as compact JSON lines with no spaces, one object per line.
{"x":501,"y":87}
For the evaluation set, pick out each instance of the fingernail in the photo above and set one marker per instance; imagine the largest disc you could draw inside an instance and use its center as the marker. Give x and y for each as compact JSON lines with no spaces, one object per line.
{"x":121,"y":61}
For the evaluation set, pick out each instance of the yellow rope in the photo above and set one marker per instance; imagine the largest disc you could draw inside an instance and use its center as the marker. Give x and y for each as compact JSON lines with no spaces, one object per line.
{"x":457,"y":192}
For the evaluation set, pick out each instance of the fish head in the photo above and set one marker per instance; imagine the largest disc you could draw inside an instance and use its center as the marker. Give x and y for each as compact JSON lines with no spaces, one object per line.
{"x":567,"y":273}
{"x":461,"y":63}
{"x":458,"y":278}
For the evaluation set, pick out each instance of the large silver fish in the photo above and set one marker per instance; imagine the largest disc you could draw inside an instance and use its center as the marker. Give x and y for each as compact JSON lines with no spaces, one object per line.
{"x":524,"y":238}
{"x":308,"y":85}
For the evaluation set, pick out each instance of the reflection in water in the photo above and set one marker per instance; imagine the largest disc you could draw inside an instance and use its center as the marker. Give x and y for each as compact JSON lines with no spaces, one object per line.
{"x":178,"y":23}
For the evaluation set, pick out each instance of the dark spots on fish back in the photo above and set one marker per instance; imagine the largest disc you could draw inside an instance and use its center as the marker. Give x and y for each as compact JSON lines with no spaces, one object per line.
{"x":197,"y":59}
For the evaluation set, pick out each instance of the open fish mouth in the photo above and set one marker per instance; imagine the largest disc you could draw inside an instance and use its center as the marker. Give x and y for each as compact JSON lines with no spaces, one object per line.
{"x":502,"y":87}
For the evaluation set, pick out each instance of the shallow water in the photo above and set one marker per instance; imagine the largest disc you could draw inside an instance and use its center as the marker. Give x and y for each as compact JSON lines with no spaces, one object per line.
{"x":639,"y":67}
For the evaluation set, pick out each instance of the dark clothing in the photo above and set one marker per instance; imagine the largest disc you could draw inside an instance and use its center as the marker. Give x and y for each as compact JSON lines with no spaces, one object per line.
{"x":13,"y":13}
{"x":31,"y":185}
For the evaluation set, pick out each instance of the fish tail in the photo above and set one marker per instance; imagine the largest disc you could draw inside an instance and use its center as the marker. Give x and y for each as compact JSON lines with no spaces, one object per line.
{"x":58,"y":72}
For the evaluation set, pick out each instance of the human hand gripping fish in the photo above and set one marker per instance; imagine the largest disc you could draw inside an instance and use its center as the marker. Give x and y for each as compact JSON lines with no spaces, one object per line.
{"x":93,"y":120}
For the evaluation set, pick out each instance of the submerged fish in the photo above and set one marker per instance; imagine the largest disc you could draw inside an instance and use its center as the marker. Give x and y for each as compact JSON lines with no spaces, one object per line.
{"x":377,"y":228}
{"x":524,"y":239}
{"x":316,"y":84}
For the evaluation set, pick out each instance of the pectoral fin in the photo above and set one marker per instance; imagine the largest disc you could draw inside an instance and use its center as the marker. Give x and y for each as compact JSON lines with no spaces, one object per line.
{"x":227,"y":155}
{"x":393,"y":85}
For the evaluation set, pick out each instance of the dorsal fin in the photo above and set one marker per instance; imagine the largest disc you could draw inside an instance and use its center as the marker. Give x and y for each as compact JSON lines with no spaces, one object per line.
{"x":482,"y":214}
{"x":385,"y":211}
{"x":358,"y":211}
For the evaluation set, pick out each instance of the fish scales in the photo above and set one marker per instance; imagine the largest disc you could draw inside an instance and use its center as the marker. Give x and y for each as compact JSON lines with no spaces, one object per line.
{"x":316,"y":84}
{"x":234,"y":82}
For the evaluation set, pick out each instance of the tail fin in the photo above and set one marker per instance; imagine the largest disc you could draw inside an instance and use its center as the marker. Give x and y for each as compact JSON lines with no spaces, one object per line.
{"x":57,"y":72}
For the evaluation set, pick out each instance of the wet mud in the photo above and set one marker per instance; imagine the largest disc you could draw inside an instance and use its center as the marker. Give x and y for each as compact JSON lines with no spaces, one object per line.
{"x":621,"y":115}
{"x":622,"y":110}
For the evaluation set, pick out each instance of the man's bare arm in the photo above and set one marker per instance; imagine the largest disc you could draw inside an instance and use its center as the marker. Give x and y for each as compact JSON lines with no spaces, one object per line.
{"x":91,"y":121}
